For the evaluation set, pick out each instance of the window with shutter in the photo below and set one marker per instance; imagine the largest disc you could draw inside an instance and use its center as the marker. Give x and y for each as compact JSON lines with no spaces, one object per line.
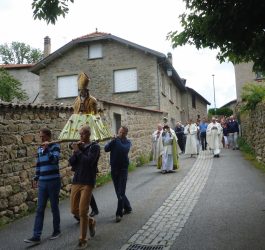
{"x":125,"y":80}
{"x":67,"y":86}
{"x":95,"y":51}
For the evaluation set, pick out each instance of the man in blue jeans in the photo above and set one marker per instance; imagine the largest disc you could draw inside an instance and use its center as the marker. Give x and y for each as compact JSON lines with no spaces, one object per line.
{"x":49,"y":184}
{"x":119,"y":148}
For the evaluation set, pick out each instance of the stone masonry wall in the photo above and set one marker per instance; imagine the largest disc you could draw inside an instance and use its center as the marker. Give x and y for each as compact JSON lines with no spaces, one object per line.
{"x":253,"y":130}
{"x":19,"y":130}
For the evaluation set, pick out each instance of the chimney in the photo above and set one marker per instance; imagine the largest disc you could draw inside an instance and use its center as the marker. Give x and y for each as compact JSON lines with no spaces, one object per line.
{"x":169,"y":57}
{"x":47,"y":46}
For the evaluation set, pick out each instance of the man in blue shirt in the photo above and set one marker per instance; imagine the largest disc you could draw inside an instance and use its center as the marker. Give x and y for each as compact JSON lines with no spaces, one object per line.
{"x":203,"y":127}
{"x":119,"y":148}
{"x":49,"y":184}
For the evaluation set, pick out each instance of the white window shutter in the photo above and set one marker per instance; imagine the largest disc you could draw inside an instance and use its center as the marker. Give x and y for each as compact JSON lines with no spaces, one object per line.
{"x":67,"y":86}
{"x":95,"y":51}
{"x":125,"y":80}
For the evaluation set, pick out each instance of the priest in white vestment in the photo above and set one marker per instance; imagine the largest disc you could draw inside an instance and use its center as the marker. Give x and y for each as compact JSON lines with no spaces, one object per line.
{"x":213,"y":134}
{"x":190,"y":131}
{"x":167,"y":150}
{"x":155,"y":137}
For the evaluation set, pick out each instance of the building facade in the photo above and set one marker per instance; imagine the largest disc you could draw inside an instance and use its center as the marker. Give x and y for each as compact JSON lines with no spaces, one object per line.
{"x":120,"y":71}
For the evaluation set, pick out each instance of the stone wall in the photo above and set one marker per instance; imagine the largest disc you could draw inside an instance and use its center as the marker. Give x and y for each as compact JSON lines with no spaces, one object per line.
{"x":253,"y":130}
{"x":19,"y":129}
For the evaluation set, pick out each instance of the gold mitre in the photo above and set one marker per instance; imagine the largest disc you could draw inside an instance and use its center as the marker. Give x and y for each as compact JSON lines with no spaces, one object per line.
{"x":83,"y":80}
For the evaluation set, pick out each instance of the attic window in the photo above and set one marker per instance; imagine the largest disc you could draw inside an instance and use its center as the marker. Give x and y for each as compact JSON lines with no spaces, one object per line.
{"x":193,"y":100}
{"x":94,"y":51}
{"x":67,"y":86}
{"x":125,"y":80}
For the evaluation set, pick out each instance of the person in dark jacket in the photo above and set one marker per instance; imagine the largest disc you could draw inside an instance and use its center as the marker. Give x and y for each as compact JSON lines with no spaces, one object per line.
{"x":84,"y":164}
{"x":179,"y":131}
{"x":233,"y":131}
{"x":119,"y":148}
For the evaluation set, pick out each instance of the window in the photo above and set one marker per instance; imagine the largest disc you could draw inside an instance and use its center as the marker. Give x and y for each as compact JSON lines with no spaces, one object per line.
{"x":67,"y":86}
{"x":95,"y":51}
{"x":193,"y":100}
{"x":162,"y":84}
{"x":178,"y":99}
{"x":125,"y":80}
{"x":170,"y":91}
{"x":117,"y":122}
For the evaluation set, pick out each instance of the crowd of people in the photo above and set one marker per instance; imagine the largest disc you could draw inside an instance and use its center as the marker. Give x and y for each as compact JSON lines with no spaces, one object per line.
{"x":192,"y":138}
{"x":167,"y":145}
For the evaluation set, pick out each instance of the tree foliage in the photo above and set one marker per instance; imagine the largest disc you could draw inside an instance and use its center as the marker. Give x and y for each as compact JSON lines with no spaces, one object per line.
{"x":236,"y":28}
{"x":10,"y":88}
{"x":251,"y":95}
{"x":221,"y":112}
{"x":50,"y":10}
{"x":19,"y":53}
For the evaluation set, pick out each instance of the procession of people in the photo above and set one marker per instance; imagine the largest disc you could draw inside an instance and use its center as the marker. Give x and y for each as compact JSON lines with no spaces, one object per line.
{"x":167,"y":145}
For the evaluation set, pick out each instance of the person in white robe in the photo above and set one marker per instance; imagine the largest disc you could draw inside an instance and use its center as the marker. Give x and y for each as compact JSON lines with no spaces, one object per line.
{"x":167,"y":150}
{"x":213,"y":134}
{"x":190,"y":131}
{"x":155,"y":137}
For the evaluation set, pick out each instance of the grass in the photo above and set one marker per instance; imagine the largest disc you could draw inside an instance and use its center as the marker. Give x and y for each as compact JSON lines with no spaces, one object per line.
{"x":249,"y":154}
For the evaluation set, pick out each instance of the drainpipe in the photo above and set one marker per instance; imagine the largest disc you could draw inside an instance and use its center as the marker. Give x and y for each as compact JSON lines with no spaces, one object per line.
{"x":158,"y":86}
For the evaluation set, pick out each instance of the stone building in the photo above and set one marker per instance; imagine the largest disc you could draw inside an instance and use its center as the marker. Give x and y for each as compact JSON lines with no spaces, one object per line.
{"x":29,"y":81}
{"x":194,"y":105}
{"x":244,"y":74}
{"x":121,"y":72}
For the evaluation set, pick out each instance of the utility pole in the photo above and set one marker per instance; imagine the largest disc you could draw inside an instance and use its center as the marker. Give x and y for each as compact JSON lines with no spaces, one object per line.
{"x":214,"y":96}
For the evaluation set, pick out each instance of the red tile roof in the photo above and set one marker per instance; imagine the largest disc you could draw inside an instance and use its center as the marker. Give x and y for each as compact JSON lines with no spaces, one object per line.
{"x":15,"y":66}
{"x":91,"y":35}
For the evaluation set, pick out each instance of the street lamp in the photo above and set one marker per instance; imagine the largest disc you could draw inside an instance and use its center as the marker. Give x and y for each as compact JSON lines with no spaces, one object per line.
{"x":214,"y":96}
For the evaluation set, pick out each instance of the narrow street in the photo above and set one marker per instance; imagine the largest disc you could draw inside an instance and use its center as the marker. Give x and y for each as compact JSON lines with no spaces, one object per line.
{"x":209,"y":203}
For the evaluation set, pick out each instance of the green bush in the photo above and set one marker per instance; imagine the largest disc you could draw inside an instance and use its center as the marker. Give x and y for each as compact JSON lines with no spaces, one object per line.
{"x":220,"y":112}
{"x":252,"y":94}
{"x":142,"y":159}
{"x":245,"y":147}
{"x":249,"y":154}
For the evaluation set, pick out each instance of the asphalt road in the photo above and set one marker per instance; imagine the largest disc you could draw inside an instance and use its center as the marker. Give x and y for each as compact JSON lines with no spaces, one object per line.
{"x":220,"y":207}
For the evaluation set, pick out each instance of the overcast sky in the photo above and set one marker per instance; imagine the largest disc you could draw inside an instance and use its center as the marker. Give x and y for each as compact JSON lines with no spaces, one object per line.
{"x":145,"y":22}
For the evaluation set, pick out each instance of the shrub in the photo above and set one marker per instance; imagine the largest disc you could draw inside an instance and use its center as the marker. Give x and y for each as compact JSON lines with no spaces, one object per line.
{"x":251,"y":95}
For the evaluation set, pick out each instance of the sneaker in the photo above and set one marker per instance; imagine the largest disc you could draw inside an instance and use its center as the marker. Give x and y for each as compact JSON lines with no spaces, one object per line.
{"x":93,"y":213}
{"x":77,"y":218}
{"x":118,"y":218}
{"x":33,"y":239}
{"x":127,"y":211}
{"x":82,"y":244}
{"x":55,"y":235}
{"x":92,"y":227}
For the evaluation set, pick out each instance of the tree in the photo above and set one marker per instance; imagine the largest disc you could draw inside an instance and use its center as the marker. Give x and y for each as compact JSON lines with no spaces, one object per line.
{"x":221,"y":112}
{"x":49,"y":10}
{"x":10,"y":88}
{"x":252,"y":94}
{"x":19,"y":53}
{"x":235,"y":27}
